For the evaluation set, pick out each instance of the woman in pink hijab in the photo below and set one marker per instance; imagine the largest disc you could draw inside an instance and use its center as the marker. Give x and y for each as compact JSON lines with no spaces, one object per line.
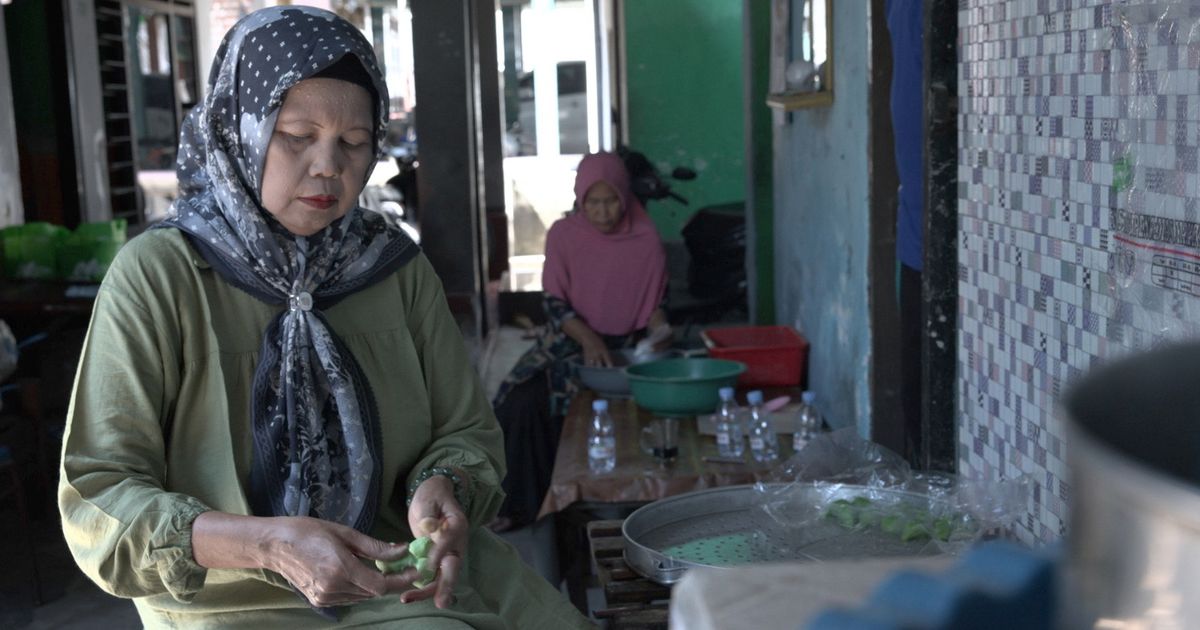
{"x":605,"y":279}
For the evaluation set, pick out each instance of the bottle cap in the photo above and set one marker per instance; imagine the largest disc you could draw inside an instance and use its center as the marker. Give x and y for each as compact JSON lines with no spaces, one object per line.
{"x":808,"y":397}
{"x":726,"y":393}
{"x":600,"y":405}
{"x":755,"y":397}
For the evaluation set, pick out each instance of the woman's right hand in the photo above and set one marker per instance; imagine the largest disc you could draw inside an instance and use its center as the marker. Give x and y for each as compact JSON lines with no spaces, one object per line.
{"x":322,"y":560}
{"x":595,"y":353}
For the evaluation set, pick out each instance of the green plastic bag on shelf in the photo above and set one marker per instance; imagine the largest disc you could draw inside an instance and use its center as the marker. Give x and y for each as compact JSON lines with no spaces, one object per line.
{"x":31,"y":250}
{"x":86,"y":253}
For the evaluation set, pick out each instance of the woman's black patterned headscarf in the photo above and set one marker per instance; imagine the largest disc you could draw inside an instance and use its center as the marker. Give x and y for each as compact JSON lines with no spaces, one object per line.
{"x":316,"y":425}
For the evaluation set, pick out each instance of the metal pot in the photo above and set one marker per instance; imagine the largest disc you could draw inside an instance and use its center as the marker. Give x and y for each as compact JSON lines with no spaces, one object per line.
{"x":1133,"y":550}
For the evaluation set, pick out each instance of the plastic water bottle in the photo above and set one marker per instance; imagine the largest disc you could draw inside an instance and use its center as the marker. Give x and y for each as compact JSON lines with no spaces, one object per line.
{"x":809,"y":420}
{"x":728,"y":426}
{"x":602,"y":439}
{"x":764,"y":445}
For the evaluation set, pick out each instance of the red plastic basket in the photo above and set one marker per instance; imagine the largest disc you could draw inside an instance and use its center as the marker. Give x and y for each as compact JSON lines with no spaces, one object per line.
{"x":774,"y":355}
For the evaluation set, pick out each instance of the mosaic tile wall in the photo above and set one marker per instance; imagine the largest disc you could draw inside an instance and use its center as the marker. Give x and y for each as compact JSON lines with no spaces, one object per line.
{"x":1079,"y":133}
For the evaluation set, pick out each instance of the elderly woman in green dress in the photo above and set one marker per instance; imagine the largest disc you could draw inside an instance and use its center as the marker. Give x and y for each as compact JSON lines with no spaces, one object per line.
{"x":273,"y":394}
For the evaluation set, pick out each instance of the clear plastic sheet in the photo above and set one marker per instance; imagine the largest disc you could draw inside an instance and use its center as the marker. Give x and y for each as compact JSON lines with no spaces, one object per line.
{"x":8,"y":351}
{"x":844,"y":497}
{"x":1149,"y":290}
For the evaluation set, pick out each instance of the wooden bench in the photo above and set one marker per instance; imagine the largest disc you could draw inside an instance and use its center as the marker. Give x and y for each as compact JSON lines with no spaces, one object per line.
{"x":634,"y":603}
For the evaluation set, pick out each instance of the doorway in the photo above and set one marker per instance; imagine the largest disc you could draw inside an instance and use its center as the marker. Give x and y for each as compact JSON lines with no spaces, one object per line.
{"x":551,"y":71}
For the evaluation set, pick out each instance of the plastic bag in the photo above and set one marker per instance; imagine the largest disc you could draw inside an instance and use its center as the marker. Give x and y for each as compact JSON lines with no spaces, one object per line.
{"x":42,"y":251}
{"x":842,"y":456}
{"x":843,"y":497}
{"x":85,"y":254}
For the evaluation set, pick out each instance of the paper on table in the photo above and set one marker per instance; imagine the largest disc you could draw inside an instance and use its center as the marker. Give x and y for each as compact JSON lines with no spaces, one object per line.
{"x":646,"y":346}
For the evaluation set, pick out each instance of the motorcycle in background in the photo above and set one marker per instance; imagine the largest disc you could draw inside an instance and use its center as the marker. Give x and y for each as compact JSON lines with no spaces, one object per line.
{"x":645,"y":179}
{"x":714,"y":241}
{"x":398,"y":196}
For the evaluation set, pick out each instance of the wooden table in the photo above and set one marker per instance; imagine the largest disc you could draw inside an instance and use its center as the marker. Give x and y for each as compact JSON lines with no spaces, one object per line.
{"x":578,"y":497}
{"x":634,"y":603}
{"x":638,"y":477}
{"x":41,"y":298}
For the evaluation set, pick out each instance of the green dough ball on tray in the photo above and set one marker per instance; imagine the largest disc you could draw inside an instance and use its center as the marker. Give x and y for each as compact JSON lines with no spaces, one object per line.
{"x":909,"y":524}
{"x":914,"y":531}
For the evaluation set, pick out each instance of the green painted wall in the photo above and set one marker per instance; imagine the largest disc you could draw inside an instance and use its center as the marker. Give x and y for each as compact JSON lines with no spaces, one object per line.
{"x":684,"y":75}
{"x":29,"y":62}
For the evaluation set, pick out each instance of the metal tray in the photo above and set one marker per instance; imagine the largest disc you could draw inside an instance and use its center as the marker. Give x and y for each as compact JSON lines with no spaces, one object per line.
{"x":724,"y":527}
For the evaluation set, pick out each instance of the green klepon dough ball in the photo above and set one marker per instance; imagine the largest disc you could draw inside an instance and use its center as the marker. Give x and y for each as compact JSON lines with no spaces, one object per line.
{"x":843,"y":513}
{"x":395,"y":566}
{"x":867,"y":518}
{"x":942,"y":528}
{"x":420,"y":547}
{"x":417,"y":556}
{"x":424,"y":567}
{"x":428,"y":572}
{"x":914,"y":531}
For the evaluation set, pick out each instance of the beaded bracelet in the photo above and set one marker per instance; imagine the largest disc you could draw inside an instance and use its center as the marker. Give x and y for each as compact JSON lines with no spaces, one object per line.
{"x":460,"y":489}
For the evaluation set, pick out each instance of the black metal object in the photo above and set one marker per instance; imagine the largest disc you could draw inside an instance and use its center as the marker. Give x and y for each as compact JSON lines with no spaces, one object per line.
{"x":574,"y":550}
{"x":495,"y":243}
{"x":887,"y":420}
{"x":760,"y":162}
{"x":940,"y":277}
{"x":716,"y":242}
{"x":647,"y":183}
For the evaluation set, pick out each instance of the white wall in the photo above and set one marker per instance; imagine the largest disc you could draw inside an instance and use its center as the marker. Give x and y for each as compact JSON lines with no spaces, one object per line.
{"x":822,"y":220}
{"x":12,"y":211}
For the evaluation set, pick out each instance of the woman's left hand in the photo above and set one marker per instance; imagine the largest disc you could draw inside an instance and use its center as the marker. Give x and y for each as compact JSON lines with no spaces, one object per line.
{"x":660,"y":331}
{"x":436,"y":513}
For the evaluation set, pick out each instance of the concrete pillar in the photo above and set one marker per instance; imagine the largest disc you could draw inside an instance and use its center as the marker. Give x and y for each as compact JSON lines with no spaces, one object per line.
{"x":448,"y":61}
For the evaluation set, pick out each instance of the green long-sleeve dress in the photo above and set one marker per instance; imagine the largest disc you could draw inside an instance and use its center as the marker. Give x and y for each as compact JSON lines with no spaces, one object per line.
{"x":159,"y":431}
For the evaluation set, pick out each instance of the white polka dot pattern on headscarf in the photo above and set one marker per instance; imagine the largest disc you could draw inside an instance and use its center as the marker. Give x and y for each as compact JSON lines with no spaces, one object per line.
{"x":316,"y":430}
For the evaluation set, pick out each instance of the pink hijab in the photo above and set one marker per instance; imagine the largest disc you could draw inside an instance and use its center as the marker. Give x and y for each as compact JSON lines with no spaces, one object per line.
{"x":613,"y":281}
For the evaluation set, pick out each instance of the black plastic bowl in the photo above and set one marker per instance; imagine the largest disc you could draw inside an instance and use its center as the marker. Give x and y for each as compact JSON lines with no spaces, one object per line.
{"x":610,"y":382}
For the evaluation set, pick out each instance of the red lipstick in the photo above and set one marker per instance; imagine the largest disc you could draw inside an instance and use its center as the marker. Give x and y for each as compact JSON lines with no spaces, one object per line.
{"x":322,"y":202}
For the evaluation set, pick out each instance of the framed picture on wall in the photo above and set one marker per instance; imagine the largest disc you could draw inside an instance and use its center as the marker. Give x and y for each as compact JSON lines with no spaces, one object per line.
{"x":801,"y":71}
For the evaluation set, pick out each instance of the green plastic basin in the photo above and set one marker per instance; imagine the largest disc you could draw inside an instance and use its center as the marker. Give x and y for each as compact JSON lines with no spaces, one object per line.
{"x":681,"y":387}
